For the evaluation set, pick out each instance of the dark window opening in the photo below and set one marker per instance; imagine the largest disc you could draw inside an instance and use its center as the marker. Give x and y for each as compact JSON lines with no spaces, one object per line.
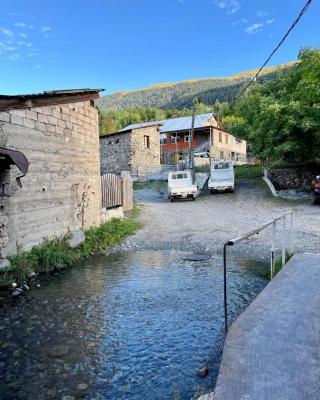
{"x":146,"y":141}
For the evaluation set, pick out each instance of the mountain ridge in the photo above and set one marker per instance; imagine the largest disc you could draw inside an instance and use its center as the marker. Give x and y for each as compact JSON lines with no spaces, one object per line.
{"x":180,"y":94}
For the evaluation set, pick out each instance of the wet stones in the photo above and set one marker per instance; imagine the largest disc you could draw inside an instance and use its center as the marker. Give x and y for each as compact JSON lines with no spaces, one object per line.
{"x":82,"y":387}
{"x":16,"y":292}
{"x":203,"y":372}
{"x":58,"y":351}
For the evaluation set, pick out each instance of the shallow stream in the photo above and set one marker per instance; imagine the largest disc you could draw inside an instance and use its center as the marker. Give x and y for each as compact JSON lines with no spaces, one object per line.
{"x":124,"y":326}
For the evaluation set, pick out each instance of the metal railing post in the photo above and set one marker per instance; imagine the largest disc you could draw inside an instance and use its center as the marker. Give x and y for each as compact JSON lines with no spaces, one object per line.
{"x":291,"y":233}
{"x":225,"y":305}
{"x":273,"y":248}
{"x":256,"y":231}
{"x":283,"y":240}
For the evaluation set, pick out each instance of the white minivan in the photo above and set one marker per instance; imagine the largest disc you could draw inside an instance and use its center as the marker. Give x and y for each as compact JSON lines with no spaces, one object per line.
{"x":180,"y":186}
{"x":221,"y":177}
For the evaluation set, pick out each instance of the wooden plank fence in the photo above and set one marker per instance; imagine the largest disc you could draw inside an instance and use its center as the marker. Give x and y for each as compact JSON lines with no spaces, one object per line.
{"x":116,"y":191}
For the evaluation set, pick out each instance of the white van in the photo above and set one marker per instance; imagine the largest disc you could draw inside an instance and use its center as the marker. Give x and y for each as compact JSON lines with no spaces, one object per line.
{"x":180,"y":186}
{"x":221,"y":177}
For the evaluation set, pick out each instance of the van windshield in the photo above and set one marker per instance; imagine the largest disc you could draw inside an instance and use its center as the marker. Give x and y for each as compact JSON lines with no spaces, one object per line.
{"x":225,"y":165}
{"x":182,"y":175}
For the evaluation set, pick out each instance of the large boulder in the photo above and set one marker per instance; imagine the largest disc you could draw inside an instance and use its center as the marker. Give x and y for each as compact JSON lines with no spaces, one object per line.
{"x":77,"y":237}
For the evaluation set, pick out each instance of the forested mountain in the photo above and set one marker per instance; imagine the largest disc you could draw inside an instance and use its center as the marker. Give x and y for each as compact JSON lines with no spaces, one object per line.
{"x":181,"y":94}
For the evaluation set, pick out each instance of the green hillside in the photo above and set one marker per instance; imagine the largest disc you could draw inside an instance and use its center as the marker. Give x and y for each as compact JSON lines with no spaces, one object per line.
{"x":181,"y":94}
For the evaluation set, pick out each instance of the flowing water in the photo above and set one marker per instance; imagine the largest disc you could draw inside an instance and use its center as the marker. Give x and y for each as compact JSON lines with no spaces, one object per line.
{"x":124,"y":326}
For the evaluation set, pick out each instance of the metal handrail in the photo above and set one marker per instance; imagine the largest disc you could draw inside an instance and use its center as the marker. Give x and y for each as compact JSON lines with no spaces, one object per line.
{"x":239,"y":239}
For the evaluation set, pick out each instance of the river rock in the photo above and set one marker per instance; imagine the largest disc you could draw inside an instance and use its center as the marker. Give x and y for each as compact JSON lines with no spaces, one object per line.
{"x":58,"y":351}
{"x":32,"y":275}
{"x":126,"y":388}
{"x":208,"y":396}
{"x":4,"y":264}
{"x":16,"y":292}
{"x":77,"y":237}
{"x":82,"y":386}
{"x":202,"y":372}
{"x":67,"y":397}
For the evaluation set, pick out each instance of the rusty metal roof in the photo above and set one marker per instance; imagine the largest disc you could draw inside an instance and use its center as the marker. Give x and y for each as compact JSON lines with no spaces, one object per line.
{"x":8,"y":102}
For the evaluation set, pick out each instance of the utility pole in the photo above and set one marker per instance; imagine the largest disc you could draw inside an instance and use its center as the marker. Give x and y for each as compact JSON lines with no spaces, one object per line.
{"x":191,"y":161}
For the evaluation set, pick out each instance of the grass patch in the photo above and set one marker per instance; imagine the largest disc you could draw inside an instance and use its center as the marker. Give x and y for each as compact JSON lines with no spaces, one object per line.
{"x":277,"y":267}
{"x":248,"y":171}
{"x":156,"y":185}
{"x":54,"y":255}
{"x":134,"y":213}
{"x":203,"y":168}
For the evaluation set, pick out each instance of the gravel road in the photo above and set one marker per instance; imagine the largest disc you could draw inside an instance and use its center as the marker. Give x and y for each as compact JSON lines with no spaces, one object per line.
{"x":204,"y":225}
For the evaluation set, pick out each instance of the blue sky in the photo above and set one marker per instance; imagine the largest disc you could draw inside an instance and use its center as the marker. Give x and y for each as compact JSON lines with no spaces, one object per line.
{"x":129,"y":44}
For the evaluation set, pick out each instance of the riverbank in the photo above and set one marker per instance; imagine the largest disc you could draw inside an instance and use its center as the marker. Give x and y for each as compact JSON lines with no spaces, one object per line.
{"x":54,"y":255}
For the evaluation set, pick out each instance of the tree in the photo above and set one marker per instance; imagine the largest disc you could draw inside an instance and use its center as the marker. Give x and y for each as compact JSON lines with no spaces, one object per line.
{"x":281,"y":118}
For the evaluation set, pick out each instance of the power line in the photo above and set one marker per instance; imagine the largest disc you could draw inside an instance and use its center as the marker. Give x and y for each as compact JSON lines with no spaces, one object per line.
{"x":253,"y":79}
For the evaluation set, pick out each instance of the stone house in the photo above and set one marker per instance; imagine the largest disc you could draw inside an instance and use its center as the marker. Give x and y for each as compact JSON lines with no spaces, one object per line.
{"x":134,"y":149}
{"x":58,"y":132}
{"x":209,"y":138}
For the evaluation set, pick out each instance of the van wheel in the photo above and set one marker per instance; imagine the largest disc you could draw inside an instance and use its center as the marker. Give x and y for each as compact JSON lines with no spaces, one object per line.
{"x":193,"y":198}
{"x":211,"y":191}
{"x":171,"y":199}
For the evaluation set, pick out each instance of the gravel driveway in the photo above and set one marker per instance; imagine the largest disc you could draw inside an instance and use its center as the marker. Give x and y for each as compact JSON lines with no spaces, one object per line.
{"x":204,"y":225}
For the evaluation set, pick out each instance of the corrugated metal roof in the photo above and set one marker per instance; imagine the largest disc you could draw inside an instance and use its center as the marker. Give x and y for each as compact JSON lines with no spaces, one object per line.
{"x":174,"y":124}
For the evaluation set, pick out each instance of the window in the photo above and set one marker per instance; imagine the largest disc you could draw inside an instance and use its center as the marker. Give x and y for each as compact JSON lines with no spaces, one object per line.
{"x":187,"y":137}
{"x":220,"y":137}
{"x":163,"y":138}
{"x":146,"y":140}
{"x":226,"y":139}
{"x":173,"y":138}
{"x":223,"y":165}
{"x":221,"y":155}
{"x":182,"y":175}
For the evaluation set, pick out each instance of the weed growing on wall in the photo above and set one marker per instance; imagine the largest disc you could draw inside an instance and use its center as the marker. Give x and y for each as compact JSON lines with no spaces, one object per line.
{"x":54,"y":255}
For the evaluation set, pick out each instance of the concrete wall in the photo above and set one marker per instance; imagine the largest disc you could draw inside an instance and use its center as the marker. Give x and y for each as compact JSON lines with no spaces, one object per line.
{"x":61,"y":191}
{"x":127,"y":151}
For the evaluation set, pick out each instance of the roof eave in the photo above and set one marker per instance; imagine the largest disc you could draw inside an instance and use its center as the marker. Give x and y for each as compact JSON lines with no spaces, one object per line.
{"x":8,"y":102}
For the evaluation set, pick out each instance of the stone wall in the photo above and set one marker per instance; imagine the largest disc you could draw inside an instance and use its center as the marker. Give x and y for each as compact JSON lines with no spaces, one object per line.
{"x":143,"y":156}
{"x":127,"y":151}
{"x":293,"y":178}
{"x":61,"y":191}
{"x":115,"y":153}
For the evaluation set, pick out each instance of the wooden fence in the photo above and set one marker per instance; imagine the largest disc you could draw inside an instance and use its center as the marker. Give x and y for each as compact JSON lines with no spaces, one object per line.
{"x":116,"y":191}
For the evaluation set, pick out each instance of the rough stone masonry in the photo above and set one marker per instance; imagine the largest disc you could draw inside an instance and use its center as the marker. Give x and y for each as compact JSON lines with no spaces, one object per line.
{"x":132,"y":150}
{"x":61,"y":191}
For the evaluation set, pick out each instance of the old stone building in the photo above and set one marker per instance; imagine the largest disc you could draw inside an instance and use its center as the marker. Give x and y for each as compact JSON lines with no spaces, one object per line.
{"x":59,"y":135}
{"x":131,"y":150}
{"x":209,"y":138}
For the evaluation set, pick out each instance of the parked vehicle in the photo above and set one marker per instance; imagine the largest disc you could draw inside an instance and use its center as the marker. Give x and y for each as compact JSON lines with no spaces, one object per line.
{"x":316,"y":190}
{"x":180,"y":186}
{"x":202,"y":154}
{"x":221,"y":177}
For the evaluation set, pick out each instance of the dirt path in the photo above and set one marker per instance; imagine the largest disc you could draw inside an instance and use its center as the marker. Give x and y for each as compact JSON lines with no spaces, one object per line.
{"x":206,"y":224}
